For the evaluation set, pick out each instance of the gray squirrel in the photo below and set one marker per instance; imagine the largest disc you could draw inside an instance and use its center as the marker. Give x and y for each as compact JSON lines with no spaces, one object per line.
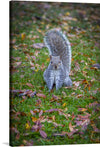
{"x":60,"y":60}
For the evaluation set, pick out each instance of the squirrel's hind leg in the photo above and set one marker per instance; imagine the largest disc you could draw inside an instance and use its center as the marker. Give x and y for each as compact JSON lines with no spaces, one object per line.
{"x":68,"y":81}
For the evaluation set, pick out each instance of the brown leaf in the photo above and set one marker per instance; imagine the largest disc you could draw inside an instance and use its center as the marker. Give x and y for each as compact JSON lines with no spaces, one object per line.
{"x":71,"y":127}
{"x":77,"y":66}
{"x":82,"y":109}
{"x":96,"y":65}
{"x":41,"y":112}
{"x":13,"y":129}
{"x":32,"y":64}
{"x":62,"y":113}
{"x":36,"y":53}
{"x":60,"y":134}
{"x":31,"y":94}
{"x":41,"y":95}
{"x":52,"y":110}
{"x":34,"y":119}
{"x":30,"y":85}
{"x":38,"y":45}
{"x":71,"y":133}
{"x":79,"y":95}
{"x":42,"y":66}
{"x":93,"y":104}
{"x":17,"y":58}
{"x":13,"y":41}
{"x":31,"y":111}
{"x":43,"y":134}
{"x":23,"y":35}
{"x":76,"y":83}
{"x":17,"y":136}
{"x":23,"y":114}
{"x":17,"y":64}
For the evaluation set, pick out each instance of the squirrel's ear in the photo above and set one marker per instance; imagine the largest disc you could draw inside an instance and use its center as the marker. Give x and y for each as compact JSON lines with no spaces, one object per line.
{"x":50,"y":57}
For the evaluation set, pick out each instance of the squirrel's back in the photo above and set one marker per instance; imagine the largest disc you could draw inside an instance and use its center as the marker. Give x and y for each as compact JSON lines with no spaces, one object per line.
{"x":59,"y":45}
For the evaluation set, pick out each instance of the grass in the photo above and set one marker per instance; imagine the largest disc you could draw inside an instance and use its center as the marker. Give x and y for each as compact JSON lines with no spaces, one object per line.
{"x":33,"y":19}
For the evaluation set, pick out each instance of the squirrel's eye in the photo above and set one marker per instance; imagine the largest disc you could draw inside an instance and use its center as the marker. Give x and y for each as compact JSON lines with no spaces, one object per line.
{"x":59,"y":62}
{"x":51,"y":62}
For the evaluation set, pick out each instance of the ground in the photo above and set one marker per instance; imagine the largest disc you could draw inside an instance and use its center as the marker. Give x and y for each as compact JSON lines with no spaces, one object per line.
{"x":69,"y":115}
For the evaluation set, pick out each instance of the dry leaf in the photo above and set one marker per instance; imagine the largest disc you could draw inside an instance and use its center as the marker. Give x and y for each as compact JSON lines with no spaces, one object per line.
{"x":82,"y":109}
{"x":32,"y":64}
{"x":41,"y":95}
{"x":30,"y":85}
{"x":43,"y":134}
{"x":64,"y":105}
{"x":71,"y":127}
{"x":34,"y":119}
{"x":23,"y":35}
{"x":38,"y":45}
{"x":27,"y":126}
{"x":41,"y":112}
{"x":76,"y":83}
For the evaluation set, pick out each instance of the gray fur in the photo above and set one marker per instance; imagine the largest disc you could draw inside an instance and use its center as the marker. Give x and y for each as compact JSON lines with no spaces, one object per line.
{"x":60,"y":62}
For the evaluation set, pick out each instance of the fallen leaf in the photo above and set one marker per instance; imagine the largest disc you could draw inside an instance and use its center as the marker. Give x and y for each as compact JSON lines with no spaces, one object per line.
{"x":92,"y":104}
{"x":37,"y":126}
{"x":31,"y":111}
{"x":67,"y":13}
{"x":66,"y":18}
{"x":64,"y":114}
{"x":31,"y":94}
{"x":13,"y":41}
{"x":14,"y":129}
{"x":60,"y":134}
{"x":78,"y":122}
{"x":76,"y":83}
{"x":17,"y":64}
{"x":52,"y":110}
{"x":23,"y":114}
{"x":29,"y":143}
{"x":41,"y":112}
{"x":85,"y":82}
{"x":77,"y":66}
{"x":41,"y":95}
{"x":17,"y":136}
{"x":55,"y":97}
{"x":96,"y":65}
{"x":30,"y":85}
{"x":38,"y":45}
{"x":34,"y":119}
{"x":32,"y":64}
{"x":82,"y":109}
{"x":54,"y":123}
{"x":42,"y":66}
{"x":53,"y":117}
{"x":79,"y":95}
{"x":27,"y":126}
{"x":43,"y":134}
{"x":64,"y":105}
{"x":23,"y":35}
{"x":17,"y":58}
{"x":38,"y":102}
{"x":71,"y":127}
{"x":36,"y":53}
{"x":72,"y":132}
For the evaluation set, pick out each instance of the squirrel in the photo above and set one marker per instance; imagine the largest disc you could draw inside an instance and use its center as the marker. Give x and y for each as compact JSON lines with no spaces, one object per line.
{"x":60,"y":60}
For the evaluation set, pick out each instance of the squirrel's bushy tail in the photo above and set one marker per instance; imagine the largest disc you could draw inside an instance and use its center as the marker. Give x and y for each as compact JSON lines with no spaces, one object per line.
{"x":59,"y":45}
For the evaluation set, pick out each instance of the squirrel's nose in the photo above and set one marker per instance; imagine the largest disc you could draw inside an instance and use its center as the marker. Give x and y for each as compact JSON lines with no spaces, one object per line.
{"x":55,"y":66}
